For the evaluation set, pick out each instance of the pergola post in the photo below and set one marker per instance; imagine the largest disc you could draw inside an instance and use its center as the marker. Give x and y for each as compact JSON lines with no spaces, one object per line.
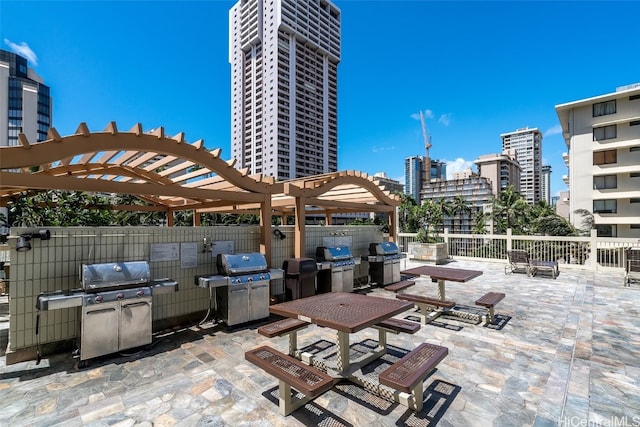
{"x":265,"y":227}
{"x":392,"y":224}
{"x":328,"y":217}
{"x":169,"y":217}
{"x":196,"y":218}
{"x":299,"y":250}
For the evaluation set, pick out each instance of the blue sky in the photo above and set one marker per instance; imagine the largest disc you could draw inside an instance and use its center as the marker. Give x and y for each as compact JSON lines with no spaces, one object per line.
{"x":477,"y":69}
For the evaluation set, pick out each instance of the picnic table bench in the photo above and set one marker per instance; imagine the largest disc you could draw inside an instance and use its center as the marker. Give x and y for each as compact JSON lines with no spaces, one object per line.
{"x":489,"y":300}
{"x":396,"y":326}
{"x":290,"y":372}
{"x":399,"y":286}
{"x":408,"y":374}
{"x":426,"y":304}
{"x":287,"y":326}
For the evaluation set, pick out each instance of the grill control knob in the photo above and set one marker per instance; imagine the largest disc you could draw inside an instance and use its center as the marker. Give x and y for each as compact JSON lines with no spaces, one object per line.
{"x":238,"y":280}
{"x":140,"y":293}
{"x":120,"y":295}
{"x":99,"y":298}
{"x":249,"y":279}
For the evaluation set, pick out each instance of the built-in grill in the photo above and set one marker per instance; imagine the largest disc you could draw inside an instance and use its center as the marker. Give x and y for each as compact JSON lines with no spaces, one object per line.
{"x":335,"y":268}
{"x":243,"y":286}
{"x":116,"y":301}
{"x":384,"y":263}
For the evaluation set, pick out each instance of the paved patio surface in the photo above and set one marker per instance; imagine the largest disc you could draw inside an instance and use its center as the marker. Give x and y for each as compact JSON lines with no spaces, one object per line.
{"x":564,"y":352}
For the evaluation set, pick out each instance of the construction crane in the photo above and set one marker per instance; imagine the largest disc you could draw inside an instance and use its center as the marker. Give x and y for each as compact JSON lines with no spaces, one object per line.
{"x":427,"y":139}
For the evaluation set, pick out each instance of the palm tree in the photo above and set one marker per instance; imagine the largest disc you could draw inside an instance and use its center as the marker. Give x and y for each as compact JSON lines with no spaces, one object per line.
{"x":459,"y":208}
{"x":512,"y":208}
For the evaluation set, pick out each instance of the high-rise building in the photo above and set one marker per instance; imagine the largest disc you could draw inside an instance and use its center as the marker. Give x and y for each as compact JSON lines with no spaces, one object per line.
{"x":25,"y":103}
{"x":546,"y":184}
{"x":284,"y":59}
{"x":415,"y":172}
{"x":602,"y":134}
{"x":527,"y":144}
{"x":474,"y":189}
{"x":502,"y":170}
{"x":413,"y":176}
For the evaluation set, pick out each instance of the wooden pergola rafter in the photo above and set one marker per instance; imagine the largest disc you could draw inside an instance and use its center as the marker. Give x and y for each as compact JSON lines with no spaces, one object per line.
{"x":170,"y":174}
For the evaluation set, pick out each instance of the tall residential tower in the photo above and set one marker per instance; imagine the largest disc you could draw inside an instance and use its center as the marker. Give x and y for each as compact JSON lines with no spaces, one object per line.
{"x":527,"y":144}
{"x":284,"y":59}
{"x":25,"y":102}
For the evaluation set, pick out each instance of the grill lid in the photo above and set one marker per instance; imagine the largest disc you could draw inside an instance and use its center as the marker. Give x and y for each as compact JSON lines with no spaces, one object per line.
{"x":237,"y":264}
{"x":333,"y":253}
{"x":114,"y":275}
{"x":383,"y":248}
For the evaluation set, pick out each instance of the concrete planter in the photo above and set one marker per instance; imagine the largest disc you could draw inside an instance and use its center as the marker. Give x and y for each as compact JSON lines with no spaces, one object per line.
{"x":432,"y":252}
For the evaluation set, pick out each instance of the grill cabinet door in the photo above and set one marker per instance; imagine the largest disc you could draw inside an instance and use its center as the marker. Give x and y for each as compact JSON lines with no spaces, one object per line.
{"x":99,"y":330}
{"x":135,"y":323}
{"x":235,"y":304}
{"x":259,"y":300}
{"x":395,"y":276}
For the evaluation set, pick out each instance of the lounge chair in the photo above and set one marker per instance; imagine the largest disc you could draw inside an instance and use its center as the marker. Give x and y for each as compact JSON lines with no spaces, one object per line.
{"x":519,"y":261}
{"x":632,"y":266}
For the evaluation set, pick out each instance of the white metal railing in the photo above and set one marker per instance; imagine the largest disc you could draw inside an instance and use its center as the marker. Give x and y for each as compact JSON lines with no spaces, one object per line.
{"x":575,"y":251}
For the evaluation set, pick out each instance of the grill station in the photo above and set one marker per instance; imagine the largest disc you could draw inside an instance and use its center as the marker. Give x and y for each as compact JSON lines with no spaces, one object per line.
{"x":335,"y":268}
{"x":246,"y":278}
{"x":384,"y":263}
{"x":116,"y":301}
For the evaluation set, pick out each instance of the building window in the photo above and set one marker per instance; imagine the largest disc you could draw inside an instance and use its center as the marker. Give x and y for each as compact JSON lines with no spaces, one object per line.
{"x":636,"y":148}
{"x":605,"y":206}
{"x":605,"y":157}
{"x":604,"y":108}
{"x":634,"y":175}
{"x":634,"y":123}
{"x":605,"y":132}
{"x":606,"y":230}
{"x":605,"y":182}
{"x":632,"y":97}
{"x":634,"y":226}
{"x":634,"y":200}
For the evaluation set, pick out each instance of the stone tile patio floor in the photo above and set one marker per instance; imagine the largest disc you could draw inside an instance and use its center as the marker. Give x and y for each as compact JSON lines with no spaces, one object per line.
{"x":565,"y":352}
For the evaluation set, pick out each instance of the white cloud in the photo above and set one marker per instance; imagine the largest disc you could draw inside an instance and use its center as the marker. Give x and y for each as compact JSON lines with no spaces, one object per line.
{"x":457,"y":165}
{"x":428,"y":114}
{"x":556,"y":130}
{"x":445,"y":119}
{"x":377,"y":149}
{"x":22,"y":49}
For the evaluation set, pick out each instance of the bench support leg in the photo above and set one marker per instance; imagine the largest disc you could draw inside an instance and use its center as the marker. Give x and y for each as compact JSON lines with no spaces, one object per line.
{"x":293,"y":343}
{"x":287,"y":402}
{"x":427,"y":313}
{"x":490,"y":315}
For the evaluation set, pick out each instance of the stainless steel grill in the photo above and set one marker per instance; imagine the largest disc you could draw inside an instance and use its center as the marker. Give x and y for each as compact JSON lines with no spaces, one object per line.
{"x":244,"y":281}
{"x":116,"y":301}
{"x":384,"y":263}
{"x":335,"y":268}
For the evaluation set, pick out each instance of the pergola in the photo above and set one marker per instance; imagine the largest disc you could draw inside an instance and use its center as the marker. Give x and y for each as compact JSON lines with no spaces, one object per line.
{"x":172,"y":175}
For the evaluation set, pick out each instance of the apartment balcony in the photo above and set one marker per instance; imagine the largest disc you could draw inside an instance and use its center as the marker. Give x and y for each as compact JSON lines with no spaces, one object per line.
{"x":565,"y":179}
{"x":565,"y":157}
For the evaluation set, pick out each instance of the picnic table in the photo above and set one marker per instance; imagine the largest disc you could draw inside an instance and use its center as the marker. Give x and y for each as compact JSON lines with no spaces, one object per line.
{"x":441,"y":274}
{"x":430,"y":308}
{"x":346,"y":313}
